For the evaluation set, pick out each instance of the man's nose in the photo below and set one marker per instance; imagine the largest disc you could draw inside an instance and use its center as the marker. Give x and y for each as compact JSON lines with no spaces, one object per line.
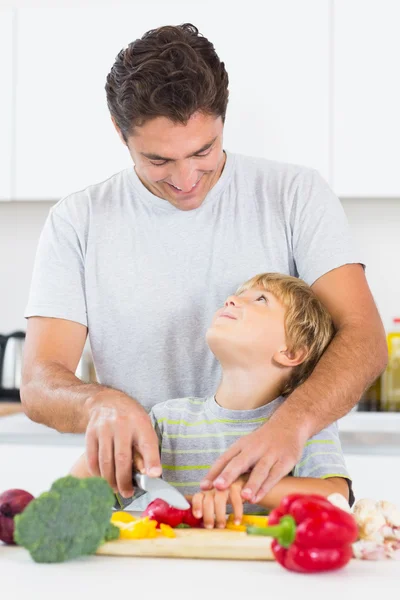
{"x":185,"y":177}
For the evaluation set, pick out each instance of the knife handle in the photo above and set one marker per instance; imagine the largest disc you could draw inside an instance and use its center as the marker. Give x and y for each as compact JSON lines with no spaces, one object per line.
{"x":120,"y":502}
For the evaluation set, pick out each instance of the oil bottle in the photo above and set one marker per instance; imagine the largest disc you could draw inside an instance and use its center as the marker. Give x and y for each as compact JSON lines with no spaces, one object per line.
{"x":391,"y":377}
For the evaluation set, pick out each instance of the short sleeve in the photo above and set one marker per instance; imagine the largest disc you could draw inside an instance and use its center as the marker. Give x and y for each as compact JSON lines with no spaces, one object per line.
{"x":58,"y":280}
{"x":321,"y":236}
{"x":156,"y":425}
{"x":322,"y":456}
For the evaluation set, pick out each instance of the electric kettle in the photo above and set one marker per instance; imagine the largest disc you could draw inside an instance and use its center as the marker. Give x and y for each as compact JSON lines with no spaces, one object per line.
{"x":11,"y":350}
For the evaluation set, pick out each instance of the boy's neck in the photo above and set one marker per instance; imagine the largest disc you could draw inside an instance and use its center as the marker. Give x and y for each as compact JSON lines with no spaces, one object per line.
{"x":244,"y":390}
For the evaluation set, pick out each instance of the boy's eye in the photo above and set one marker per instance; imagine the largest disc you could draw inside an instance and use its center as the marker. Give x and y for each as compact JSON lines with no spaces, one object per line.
{"x":262,"y":297}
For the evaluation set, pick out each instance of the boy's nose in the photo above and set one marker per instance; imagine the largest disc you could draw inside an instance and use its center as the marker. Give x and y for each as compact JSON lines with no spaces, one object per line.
{"x":232,"y":301}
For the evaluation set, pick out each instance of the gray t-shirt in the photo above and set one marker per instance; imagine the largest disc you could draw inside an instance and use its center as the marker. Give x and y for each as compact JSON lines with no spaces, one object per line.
{"x":146,"y":277}
{"x":194,"y":432}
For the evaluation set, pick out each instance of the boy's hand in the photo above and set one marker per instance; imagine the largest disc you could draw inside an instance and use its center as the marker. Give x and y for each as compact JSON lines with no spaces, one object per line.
{"x":211,"y":505}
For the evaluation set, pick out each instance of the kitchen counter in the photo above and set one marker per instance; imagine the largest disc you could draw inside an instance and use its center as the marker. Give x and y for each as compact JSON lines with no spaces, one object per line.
{"x":360,"y":433}
{"x":103,"y":577}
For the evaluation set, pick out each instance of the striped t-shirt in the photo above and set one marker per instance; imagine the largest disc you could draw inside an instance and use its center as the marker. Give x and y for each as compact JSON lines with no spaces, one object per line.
{"x":194,"y":432}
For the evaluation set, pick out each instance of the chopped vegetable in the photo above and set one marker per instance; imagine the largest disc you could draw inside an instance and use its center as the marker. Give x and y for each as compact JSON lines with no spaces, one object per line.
{"x":139,"y":529}
{"x":122,"y":517}
{"x":260,"y":520}
{"x":163,"y":512}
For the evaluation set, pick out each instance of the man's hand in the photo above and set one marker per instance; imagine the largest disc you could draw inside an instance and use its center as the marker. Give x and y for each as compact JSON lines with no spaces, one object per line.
{"x":211,"y":505}
{"x":270,"y":453}
{"x":119,"y":432}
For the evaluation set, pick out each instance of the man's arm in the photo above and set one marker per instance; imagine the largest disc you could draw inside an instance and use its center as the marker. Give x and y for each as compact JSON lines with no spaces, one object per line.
{"x":50,"y":392}
{"x":353,"y":360}
{"x":115,"y":424}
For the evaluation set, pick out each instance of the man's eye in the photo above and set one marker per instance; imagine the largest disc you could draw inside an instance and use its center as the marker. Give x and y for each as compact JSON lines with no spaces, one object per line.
{"x":206,"y":153}
{"x":262,"y":297}
{"x":159,"y":164}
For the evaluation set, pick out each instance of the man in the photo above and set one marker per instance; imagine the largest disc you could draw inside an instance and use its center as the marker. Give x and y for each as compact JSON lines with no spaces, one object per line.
{"x":142,"y":261}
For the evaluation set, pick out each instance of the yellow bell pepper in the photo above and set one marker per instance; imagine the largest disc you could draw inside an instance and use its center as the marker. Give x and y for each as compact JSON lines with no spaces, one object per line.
{"x":233,"y":527}
{"x":139,"y":529}
{"x":167,"y":531}
{"x":122,"y":517}
{"x":257,"y":520}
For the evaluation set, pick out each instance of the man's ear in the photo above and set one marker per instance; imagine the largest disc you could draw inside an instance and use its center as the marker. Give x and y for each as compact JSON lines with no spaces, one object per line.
{"x":287,"y":358}
{"x":121,"y":137}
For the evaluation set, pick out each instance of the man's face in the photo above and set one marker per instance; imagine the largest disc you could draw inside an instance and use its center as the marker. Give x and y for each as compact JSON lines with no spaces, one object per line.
{"x":249,"y":330}
{"x":179,"y":163}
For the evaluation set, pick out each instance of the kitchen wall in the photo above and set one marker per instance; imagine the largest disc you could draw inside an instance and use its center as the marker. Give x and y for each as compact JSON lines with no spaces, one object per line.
{"x":375,"y":225}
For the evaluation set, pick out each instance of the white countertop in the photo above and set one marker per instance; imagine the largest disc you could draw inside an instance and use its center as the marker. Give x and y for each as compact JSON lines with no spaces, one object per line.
{"x":114,"y":578}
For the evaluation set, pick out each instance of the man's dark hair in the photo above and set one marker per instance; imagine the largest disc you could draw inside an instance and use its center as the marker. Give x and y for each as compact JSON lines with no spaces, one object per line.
{"x":170,"y":72}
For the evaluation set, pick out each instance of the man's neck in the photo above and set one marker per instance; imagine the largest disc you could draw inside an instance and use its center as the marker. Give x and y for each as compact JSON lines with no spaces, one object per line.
{"x":244,"y":390}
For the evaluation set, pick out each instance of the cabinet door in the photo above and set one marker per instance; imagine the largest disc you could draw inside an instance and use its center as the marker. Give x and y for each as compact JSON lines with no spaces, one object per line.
{"x":278,"y":67}
{"x":6,"y":103}
{"x":366,"y":98}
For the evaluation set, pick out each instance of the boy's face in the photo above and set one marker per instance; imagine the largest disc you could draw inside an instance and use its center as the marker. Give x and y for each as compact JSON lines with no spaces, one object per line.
{"x":249,"y":329}
{"x":179,"y":163}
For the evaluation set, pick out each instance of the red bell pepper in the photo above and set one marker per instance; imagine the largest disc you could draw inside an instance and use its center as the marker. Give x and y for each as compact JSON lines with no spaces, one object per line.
{"x":162,"y":512}
{"x":311,"y":534}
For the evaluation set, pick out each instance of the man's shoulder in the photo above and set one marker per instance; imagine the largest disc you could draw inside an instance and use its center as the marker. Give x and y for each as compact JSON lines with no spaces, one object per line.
{"x":79,"y":203}
{"x":261,"y":166}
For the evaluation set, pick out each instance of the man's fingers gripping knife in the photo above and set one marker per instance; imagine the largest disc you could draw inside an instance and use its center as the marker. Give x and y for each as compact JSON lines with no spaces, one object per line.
{"x":147,"y":445}
{"x":106,"y":460}
{"x":92,"y":452}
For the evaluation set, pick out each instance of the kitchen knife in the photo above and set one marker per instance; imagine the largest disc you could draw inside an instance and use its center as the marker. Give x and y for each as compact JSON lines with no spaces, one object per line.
{"x":155,"y":488}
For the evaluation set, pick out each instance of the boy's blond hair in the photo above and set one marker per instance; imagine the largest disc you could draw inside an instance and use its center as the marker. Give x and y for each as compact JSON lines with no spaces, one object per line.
{"x":308,"y":324}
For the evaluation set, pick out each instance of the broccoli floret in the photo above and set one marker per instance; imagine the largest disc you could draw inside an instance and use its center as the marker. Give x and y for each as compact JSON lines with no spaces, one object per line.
{"x":68,"y":521}
{"x":112,"y":533}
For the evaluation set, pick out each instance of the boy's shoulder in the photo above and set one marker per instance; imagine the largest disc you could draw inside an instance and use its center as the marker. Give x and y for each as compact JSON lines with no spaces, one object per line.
{"x":176,"y":407}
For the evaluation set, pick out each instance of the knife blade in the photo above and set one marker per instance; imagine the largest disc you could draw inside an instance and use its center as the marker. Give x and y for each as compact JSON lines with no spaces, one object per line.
{"x":155,"y":488}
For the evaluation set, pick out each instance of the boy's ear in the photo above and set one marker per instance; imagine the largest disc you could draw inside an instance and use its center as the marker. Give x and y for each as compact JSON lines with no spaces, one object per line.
{"x":286,"y":358}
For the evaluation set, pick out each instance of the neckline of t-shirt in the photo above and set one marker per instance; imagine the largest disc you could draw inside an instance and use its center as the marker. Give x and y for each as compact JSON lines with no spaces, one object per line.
{"x":153,"y":200}
{"x":239,"y":415}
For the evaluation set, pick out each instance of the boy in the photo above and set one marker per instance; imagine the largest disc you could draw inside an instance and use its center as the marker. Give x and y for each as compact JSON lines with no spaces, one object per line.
{"x":268,"y":338}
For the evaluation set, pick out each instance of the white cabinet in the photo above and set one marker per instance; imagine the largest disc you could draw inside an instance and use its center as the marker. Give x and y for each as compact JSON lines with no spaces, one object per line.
{"x":277,"y":58}
{"x":276,"y":54}
{"x":6,"y":103}
{"x":375,"y":476}
{"x":366,"y":98}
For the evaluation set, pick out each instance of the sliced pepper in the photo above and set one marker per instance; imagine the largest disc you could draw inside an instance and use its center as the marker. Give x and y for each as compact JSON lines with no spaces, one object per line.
{"x":234,"y":527}
{"x":258,"y":520}
{"x":139,"y":529}
{"x":167,"y":530}
{"x":122,"y":517}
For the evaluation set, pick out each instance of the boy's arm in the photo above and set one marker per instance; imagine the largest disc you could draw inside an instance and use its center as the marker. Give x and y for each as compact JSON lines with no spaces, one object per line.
{"x":304,"y":485}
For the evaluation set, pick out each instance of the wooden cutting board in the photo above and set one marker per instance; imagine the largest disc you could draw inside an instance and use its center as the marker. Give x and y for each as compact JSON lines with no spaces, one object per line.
{"x":196,"y":543}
